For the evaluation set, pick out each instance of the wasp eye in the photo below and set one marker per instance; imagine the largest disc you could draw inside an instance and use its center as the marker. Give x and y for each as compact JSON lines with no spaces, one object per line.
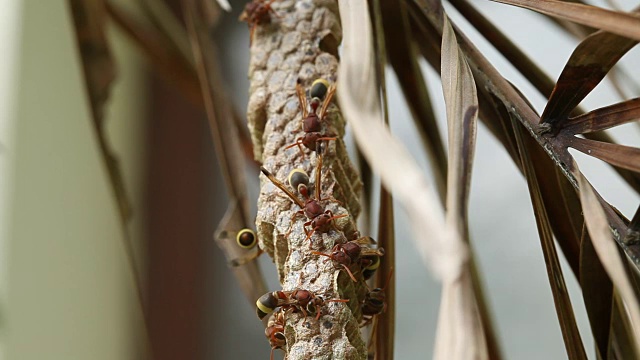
{"x":246,"y":238}
{"x":319,"y":89}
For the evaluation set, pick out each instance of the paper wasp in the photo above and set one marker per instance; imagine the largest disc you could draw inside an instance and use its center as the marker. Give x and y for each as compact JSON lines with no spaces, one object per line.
{"x":257,"y":12}
{"x":321,"y":93}
{"x":319,"y":219}
{"x":275,"y":331}
{"x":353,"y":252}
{"x":374,"y":302}
{"x":303,"y":301}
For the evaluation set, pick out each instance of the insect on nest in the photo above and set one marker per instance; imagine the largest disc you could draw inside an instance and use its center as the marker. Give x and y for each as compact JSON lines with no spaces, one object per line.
{"x":257,"y":12}
{"x":320,"y":220}
{"x":321,"y":93}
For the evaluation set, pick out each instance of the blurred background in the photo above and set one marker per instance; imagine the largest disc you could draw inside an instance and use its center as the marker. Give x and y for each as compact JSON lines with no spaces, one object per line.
{"x":67,"y":290}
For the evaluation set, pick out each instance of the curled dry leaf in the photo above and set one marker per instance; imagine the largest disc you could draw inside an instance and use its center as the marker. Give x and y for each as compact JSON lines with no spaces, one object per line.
{"x":403,"y":60}
{"x":460,"y":333}
{"x":441,"y":249}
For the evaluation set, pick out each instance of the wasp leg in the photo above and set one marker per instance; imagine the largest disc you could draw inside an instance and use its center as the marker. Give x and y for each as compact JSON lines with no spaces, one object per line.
{"x":297,"y":143}
{"x":349,"y":272}
{"x":301,"y":212}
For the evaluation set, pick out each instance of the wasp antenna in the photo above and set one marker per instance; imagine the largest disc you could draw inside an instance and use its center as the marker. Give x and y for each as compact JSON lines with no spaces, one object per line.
{"x":281,"y":186}
{"x":327,"y":100}
{"x":388,"y":280}
{"x":338,"y":300}
{"x":302,"y":98}
{"x":265,"y":171}
{"x":318,"y":181}
{"x":319,"y":253}
{"x":349,"y":272}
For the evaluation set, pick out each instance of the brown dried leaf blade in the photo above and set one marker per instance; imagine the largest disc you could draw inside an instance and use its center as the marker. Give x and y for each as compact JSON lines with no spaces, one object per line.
{"x":616,"y":22}
{"x":228,"y":150}
{"x":459,"y":300}
{"x":597,"y":292}
{"x":605,"y":118}
{"x":589,"y":63}
{"x":619,"y":155}
{"x":564,"y":310}
{"x":608,"y":253}
{"x":402,"y":57}
{"x":99,"y":71}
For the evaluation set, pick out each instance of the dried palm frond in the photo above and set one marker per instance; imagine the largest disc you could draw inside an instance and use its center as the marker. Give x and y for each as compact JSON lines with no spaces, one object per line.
{"x":295,"y":42}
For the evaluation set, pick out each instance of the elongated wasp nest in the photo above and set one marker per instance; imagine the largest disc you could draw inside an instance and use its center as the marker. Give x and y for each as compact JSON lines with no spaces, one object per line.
{"x":299,"y":45}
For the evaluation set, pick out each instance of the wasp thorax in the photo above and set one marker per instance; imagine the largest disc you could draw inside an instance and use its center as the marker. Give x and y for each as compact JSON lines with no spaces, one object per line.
{"x":311,"y":123}
{"x":352,"y":249}
{"x":341,"y":257}
{"x":303,"y":297}
{"x":313,"y":209}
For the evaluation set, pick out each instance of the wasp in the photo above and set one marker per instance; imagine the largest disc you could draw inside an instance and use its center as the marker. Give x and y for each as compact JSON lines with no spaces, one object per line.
{"x":257,"y":12}
{"x":321,"y":93}
{"x":303,"y":301}
{"x":353,"y":252}
{"x":275,"y":331}
{"x":374,"y":302}
{"x":246,"y":239}
{"x":319,"y":219}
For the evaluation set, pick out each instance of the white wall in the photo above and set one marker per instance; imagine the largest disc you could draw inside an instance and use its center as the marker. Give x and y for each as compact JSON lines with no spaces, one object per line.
{"x":69,"y":289}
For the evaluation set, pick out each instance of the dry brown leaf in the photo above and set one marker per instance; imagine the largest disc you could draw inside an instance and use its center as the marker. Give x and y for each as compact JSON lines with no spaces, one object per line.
{"x":441,"y":250}
{"x":461,"y":101}
{"x":627,"y":25}
{"x":429,"y":24}
{"x":458,"y":304}
{"x":597,"y":292}
{"x":564,"y":309}
{"x":605,"y":118}
{"x":403,"y":60}
{"x":89,"y":18}
{"x":229,"y":152}
{"x":459,"y":334}
{"x":99,"y":73}
{"x":589,"y":63}
{"x":591,"y":50}
{"x":168,"y":63}
{"x":619,"y":155}
{"x":385,"y":332}
{"x":607,"y":251}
